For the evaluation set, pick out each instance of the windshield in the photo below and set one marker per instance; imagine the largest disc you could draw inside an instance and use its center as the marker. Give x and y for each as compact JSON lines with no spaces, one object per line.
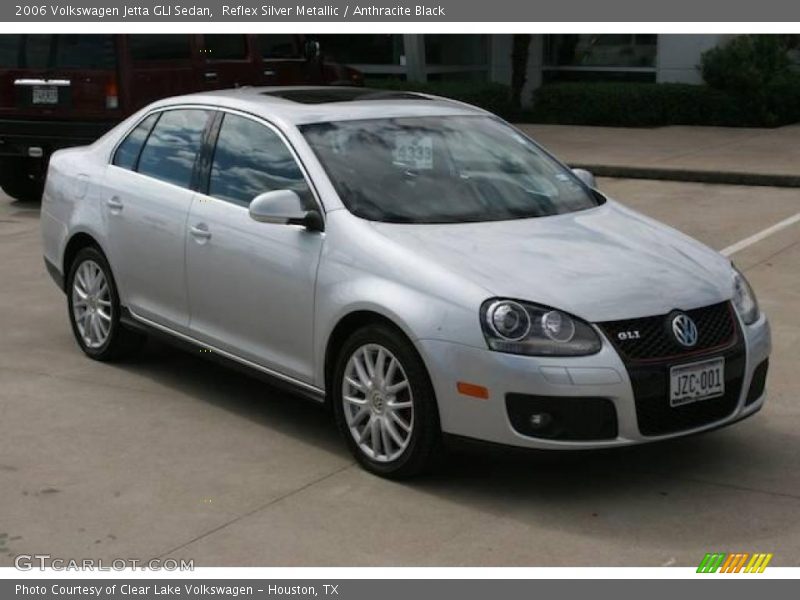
{"x":443,"y":170}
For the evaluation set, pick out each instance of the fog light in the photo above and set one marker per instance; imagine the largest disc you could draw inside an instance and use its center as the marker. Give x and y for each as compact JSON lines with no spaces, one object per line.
{"x":540,"y":420}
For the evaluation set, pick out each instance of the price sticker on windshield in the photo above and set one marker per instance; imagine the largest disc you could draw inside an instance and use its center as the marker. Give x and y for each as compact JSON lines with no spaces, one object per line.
{"x":414,"y":152}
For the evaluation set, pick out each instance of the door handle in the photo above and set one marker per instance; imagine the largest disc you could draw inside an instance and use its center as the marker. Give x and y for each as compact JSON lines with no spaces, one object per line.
{"x":200,"y":231}
{"x":210,"y":75}
{"x":115,"y":205}
{"x":269,"y":72}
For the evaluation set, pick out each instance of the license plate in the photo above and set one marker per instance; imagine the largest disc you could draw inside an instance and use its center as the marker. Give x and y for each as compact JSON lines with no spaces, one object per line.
{"x":45,"y":94}
{"x":696,"y":381}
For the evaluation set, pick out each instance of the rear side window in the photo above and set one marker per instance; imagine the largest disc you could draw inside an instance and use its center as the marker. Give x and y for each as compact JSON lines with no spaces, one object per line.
{"x":128,"y":151}
{"x":58,"y":51}
{"x":172,"y":147}
{"x":150,"y":47}
{"x":277,"y":45}
{"x":36,"y":51}
{"x":85,"y":52}
{"x":10,"y":50}
{"x":225,"y":47}
{"x":251,"y":159}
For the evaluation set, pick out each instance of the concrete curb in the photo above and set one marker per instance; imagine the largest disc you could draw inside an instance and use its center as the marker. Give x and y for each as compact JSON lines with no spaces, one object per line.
{"x":723,"y":177}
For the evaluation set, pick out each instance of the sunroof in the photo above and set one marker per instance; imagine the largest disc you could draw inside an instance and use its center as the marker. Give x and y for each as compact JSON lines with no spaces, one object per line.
{"x":324,"y":96}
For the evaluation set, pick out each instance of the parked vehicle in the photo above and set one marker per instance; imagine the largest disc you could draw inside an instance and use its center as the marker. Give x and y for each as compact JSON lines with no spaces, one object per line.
{"x":417,"y":263}
{"x":61,"y":90}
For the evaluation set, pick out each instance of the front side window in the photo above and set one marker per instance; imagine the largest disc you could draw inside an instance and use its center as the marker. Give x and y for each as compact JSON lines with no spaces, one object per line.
{"x":171,"y":149}
{"x":127,"y":152}
{"x":251,"y":159}
{"x":443,"y":170}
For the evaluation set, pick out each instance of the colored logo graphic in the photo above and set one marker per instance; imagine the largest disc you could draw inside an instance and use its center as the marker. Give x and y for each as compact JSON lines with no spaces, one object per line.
{"x":742,"y":562}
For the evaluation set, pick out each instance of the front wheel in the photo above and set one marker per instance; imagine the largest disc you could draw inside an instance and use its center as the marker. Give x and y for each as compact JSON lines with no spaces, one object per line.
{"x":384,"y":403}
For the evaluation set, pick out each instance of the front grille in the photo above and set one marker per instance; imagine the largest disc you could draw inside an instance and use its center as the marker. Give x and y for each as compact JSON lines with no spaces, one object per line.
{"x":651,"y":354}
{"x":651,"y":339}
{"x":651,"y":392}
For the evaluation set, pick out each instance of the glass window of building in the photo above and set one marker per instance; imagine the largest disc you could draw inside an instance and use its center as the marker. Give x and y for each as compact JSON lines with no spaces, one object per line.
{"x":600,"y":57}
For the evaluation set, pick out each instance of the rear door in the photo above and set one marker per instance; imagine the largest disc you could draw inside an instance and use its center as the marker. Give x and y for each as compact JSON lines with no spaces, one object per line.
{"x":148,"y":193}
{"x":59,"y":76}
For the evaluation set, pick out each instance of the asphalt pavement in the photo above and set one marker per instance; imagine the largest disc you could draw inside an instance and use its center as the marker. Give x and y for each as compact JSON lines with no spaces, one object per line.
{"x":169,"y":455}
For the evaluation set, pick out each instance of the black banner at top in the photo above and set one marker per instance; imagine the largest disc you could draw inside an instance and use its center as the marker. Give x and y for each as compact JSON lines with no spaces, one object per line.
{"x":410,"y":11}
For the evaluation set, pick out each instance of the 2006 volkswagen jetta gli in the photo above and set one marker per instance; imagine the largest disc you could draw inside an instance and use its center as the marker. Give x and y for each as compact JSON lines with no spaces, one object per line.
{"x":416,"y":262}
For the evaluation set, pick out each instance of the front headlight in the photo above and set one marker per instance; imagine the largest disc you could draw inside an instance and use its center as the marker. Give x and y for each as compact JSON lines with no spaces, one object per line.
{"x":523,"y":328}
{"x":744,"y":299}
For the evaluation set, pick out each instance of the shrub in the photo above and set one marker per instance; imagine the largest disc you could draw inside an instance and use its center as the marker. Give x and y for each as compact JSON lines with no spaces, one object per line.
{"x":627,"y":104}
{"x":753,"y":68}
{"x":657,"y":104}
{"x":746,"y":64}
{"x":494,"y":97}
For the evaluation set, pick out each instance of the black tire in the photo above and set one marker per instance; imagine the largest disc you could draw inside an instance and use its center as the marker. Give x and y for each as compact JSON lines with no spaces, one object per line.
{"x":120,"y":341}
{"x":424,"y":447}
{"x":21,"y":187}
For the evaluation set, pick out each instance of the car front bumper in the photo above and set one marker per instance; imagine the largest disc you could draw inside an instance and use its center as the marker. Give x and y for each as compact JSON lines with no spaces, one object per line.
{"x":601,"y":376}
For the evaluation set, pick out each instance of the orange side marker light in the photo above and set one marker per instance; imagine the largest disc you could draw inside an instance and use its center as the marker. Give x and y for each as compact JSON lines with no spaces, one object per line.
{"x":470,"y":389}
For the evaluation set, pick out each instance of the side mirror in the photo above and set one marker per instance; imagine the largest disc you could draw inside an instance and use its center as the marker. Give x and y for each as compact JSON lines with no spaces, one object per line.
{"x":586,"y":177}
{"x":284,"y":207}
{"x":312,"y":50}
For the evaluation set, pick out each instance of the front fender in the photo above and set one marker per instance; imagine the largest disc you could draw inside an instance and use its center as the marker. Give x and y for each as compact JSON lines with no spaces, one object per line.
{"x":363,"y":270}
{"x":418,"y":314}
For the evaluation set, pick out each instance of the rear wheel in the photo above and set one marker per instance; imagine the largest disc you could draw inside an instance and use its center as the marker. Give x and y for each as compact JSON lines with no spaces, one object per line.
{"x":22,"y":188}
{"x":384,"y":403}
{"x":94,"y":309}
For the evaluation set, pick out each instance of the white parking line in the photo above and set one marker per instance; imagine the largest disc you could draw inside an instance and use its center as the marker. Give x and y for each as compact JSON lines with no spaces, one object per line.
{"x":757,"y":237}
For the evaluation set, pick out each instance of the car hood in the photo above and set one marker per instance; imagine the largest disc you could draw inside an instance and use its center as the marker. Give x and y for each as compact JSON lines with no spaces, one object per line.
{"x":600,"y":264}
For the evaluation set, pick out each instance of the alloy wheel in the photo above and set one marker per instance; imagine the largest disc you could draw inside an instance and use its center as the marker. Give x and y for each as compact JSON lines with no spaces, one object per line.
{"x":378,"y":403}
{"x":91,"y":304}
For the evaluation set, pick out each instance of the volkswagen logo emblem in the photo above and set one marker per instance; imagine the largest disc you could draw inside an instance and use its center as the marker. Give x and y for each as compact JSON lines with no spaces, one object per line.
{"x":684,"y":330}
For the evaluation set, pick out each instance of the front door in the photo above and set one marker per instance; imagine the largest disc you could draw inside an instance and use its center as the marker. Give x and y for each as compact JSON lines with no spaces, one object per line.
{"x":251,"y":285}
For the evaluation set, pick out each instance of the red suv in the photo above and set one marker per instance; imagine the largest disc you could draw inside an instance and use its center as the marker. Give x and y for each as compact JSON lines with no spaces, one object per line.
{"x":61,"y":90}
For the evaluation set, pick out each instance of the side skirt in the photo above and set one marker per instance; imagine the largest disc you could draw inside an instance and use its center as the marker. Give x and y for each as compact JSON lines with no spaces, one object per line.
{"x":185,"y":342}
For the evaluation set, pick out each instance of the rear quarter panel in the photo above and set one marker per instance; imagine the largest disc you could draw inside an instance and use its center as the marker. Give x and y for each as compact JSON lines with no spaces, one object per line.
{"x":69,"y":203}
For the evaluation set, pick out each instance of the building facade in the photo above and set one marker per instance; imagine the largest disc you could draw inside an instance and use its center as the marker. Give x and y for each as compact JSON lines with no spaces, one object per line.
{"x":557,"y":57}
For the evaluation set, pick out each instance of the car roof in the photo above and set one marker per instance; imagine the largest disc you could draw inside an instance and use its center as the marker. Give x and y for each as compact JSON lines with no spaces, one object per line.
{"x":313,"y":104}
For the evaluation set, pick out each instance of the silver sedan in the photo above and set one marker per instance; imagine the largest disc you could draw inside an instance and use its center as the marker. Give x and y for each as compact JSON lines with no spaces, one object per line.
{"x":417,"y":263}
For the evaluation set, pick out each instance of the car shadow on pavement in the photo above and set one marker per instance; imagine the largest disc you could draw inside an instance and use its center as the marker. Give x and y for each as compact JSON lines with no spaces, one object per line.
{"x":701,"y":492}
{"x":241,"y":393}
{"x":683,"y":493}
